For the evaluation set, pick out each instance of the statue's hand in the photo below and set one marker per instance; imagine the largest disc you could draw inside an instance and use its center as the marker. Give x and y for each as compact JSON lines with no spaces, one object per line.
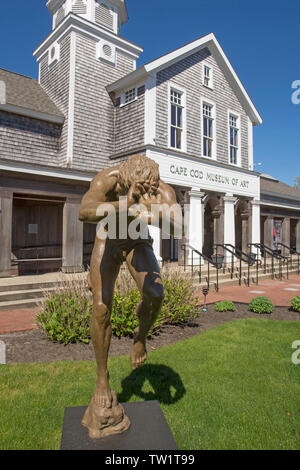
{"x":136,"y":190}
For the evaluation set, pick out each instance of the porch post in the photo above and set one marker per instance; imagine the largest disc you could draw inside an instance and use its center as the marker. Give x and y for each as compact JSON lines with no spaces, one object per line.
{"x":195,"y":222}
{"x":229,"y":223}
{"x":72,"y":237}
{"x":6,"y":208}
{"x":155,"y":233}
{"x":298,"y":236}
{"x":286,"y":231}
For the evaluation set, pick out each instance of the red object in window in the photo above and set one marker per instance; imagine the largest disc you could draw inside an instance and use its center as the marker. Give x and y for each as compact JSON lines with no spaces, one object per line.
{"x":274,"y":232}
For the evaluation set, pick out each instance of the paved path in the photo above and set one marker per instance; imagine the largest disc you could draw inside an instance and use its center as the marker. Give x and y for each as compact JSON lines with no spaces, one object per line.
{"x":280,"y":292}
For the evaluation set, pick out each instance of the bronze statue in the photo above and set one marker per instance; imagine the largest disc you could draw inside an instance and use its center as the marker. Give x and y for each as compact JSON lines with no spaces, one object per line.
{"x":137,"y":181}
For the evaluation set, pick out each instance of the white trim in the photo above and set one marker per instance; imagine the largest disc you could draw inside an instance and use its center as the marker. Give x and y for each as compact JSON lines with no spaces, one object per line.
{"x":175,"y":87}
{"x":50,"y":172}
{"x":250,"y":145}
{"x":71,"y":111}
{"x":214,"y":146}
{"x":11,"y":108}
{"x":211,"y":42}
{"x":211,"y":86}
{"x":150,"y":111}
{"x":80,"y":25}
{"x":276,"y":204}
{"x":239,"y":158}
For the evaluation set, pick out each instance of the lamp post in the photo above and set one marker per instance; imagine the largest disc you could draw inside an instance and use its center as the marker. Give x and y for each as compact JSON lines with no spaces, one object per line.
{"x":205,"y":291}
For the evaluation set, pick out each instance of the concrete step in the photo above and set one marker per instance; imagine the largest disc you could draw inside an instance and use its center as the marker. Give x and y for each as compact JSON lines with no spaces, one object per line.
{"x":23,"y":294}
{"x":20,"y":304}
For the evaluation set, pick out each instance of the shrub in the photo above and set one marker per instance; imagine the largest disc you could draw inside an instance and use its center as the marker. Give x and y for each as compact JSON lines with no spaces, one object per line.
{"x":295,"y":302}
{"x":261,"y":305}
{"x":66,"y":313}
{"x":225,"y":306}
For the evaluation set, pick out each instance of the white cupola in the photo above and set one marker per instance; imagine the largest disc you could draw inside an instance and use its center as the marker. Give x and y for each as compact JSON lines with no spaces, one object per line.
{"x":109,"y":15}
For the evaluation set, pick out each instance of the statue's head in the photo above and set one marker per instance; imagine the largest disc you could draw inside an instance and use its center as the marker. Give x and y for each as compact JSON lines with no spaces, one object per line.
{"x":138,"y":168}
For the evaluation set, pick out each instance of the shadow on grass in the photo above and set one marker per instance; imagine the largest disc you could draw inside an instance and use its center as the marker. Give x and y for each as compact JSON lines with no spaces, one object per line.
{"x":167,"y":384}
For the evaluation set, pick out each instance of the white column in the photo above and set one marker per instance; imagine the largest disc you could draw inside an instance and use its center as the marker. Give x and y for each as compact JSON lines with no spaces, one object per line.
{"x":255,"y":221}
{"x":229,"y":223}
{"x":194,"y":223}
{"x":155,"y":234}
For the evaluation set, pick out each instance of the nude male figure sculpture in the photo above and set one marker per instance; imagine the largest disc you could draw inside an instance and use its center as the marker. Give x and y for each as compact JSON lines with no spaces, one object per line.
{"x":138,"y":180}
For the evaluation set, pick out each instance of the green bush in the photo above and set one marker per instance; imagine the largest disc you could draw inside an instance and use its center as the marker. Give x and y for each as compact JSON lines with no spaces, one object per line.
{"x":261,"y":305}
{"x":66,"y":313}
{"x":295,"y":302}
{"x":225,"y":306}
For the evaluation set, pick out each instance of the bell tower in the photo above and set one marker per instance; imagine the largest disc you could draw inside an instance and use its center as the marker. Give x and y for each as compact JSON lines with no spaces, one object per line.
{"x":109,"y":14}
{"x":81,"y":56}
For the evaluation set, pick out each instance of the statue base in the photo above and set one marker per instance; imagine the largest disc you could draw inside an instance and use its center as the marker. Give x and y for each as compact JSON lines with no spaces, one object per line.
{"x":148,"y":431}
{"x":103,"y":422}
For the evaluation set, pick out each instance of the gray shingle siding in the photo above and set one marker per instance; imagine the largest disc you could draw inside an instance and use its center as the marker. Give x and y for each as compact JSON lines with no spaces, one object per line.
{"x":187,"y":73}
{"x":28,"y":140}
{"x":55,"y":81}
{"x":129,"y":124}
{"x":94,"y":109}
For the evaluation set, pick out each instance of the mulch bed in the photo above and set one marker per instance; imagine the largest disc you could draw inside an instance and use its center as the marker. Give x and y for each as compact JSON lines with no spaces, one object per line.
{"x":33,"y":346}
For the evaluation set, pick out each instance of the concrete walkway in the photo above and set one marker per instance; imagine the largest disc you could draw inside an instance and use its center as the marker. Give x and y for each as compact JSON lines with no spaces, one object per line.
{"x":280,"y":292}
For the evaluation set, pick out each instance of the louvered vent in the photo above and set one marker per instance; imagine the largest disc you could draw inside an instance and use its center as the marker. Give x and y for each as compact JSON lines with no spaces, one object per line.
{"x":104,"y":17}
{"x":60,"y":16}
{"x":79,"y":7}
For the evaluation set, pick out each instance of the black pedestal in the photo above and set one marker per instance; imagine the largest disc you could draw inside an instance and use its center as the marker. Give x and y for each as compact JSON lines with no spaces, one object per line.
{"x":148,"y":431}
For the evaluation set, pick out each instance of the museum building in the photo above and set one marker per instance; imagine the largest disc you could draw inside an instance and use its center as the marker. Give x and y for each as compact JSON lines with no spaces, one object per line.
{"x":91,"y":108}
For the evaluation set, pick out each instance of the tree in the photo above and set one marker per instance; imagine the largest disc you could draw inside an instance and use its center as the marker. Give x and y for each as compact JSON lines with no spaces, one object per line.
{"x":297,"y":182}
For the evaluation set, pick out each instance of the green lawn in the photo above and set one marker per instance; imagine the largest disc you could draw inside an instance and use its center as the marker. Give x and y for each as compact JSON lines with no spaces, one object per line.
{"x":232,"y":387}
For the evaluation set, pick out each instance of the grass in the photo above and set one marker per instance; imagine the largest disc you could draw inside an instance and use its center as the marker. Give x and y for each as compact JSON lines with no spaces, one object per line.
{"x":232,"y":387}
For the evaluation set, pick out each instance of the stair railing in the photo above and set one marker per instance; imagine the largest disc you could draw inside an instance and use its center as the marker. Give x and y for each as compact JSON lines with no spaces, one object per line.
{"x":215,"y":261}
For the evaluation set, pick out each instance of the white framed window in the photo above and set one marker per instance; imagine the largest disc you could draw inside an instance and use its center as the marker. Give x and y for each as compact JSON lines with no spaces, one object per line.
{"x":177,"y":118}
{"x":130,"y":95}
{"x":207,"y":75}
{"x":234,"y":138}
{"x":208,"y":129}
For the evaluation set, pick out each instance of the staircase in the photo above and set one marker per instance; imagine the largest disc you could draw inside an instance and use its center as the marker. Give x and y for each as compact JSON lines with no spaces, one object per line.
{"x":27,"y":291}
{"x":226,"y":278}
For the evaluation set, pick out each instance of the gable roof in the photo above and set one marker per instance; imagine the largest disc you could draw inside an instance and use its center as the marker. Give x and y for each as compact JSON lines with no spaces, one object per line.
{"x":166,"y":60}
{"x":25,"y":96}
{"x":271,"y":187}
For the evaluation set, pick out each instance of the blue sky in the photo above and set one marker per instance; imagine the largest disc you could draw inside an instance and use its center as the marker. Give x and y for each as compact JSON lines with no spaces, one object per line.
{"x":261,"y":39}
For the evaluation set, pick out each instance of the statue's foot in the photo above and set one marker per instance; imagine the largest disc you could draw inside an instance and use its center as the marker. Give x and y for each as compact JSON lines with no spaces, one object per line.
{"x":138,"y":355}
{"x":102,"y":395}
{"x":102,"y":421}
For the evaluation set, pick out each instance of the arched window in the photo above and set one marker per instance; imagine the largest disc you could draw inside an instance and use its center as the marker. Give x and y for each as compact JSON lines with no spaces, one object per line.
{"x":104,"y":16}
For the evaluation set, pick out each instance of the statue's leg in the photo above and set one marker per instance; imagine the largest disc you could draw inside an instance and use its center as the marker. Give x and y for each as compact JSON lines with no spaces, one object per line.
{"x":104,"y":416}
{"x":103,"y":274}
{"x":144,"y":268}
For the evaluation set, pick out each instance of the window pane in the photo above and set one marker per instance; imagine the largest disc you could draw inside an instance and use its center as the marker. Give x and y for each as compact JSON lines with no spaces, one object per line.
{"x":210,"y":128}
{"x":178,"y":131}
{"x":173,"y":115}
{"x":179,"y":117}
{"x":173,"y":136}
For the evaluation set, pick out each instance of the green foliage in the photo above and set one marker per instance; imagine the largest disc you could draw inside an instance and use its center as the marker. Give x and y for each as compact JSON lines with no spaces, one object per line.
{"x":295,"y":302}
{"x":225,"y":306}
{"x":261,"y":305}
{"x":66,"y":313}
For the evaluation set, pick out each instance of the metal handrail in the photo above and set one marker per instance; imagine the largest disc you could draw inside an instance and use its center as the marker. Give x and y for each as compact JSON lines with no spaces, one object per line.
{"x":274,"y":254}
{"x":206,"y":258}
{"x":292,"y":252}
{"x":242,"y":256}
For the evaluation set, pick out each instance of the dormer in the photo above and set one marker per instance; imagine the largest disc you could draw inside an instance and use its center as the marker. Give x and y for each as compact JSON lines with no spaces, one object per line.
{"x":109,"y":15}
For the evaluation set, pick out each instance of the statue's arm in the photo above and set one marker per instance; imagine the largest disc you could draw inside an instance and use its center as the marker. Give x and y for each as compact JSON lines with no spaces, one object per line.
{"x":163,"y":211}
{"x":90,"y":208}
